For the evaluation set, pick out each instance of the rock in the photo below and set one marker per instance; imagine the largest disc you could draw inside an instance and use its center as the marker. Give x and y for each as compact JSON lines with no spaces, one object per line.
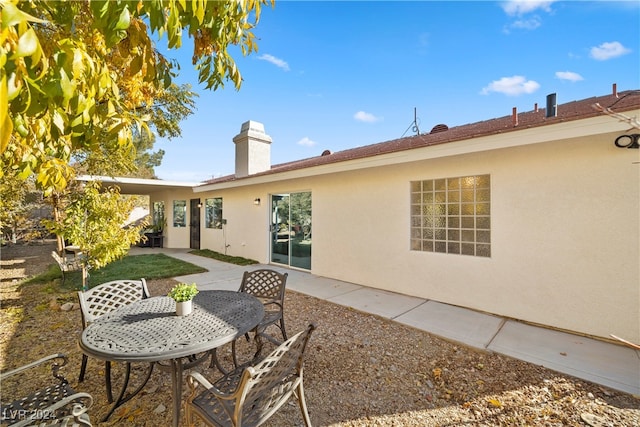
{"x":67,"y":306}
{"x":160,"y":409}
{"x":592,"y":420}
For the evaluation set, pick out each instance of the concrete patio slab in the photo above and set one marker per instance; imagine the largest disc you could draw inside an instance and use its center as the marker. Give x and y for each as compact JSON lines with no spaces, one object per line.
{"x":375,"y":301}
{"x":453,"y":323}
{"x":611,"y":365}
{"x":224,"y":285}
{"x":320,"y":287}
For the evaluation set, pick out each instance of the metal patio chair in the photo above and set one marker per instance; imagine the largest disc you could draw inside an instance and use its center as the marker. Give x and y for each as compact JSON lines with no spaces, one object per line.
{"x":249,"y":395}
{"x":269,"y":287}
{"x":57,"y":404}
{"x":103,"y":299}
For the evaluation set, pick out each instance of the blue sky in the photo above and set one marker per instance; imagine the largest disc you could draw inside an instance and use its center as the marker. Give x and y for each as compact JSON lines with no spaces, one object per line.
{"x":341,"y":74}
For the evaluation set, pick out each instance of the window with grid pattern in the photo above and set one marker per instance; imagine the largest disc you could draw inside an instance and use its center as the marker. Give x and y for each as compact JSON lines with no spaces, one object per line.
{"x":452,"y":215}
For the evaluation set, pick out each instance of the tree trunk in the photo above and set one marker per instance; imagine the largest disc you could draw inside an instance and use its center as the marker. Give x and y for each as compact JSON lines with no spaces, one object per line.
{"x":55,"y":201}
{"x":85,"y":277}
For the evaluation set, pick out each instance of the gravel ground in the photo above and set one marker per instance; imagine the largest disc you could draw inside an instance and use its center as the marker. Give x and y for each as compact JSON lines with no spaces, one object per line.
{"x":361,"y":370}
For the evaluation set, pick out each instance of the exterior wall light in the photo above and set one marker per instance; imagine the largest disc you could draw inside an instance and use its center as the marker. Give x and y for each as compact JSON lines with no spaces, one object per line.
{"x":628,"y":141}
{"x":256,"y":201}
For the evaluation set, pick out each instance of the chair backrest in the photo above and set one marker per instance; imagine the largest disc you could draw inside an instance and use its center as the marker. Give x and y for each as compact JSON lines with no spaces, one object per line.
{"x":265,"y":284}
{"x":266,"y":386}
{"x":61,"y":262}
{"x":57,"y":404}
{"x":108,"y":296}
{"x":66,"y":264}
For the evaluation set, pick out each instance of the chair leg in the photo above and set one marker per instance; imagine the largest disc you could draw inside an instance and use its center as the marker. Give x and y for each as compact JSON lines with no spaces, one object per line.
{"x":107,"y":375}
{"x":188,"y":415}
{"x":83,"y":367}
{"x":282,"y":328}
{"x":107,"y":381}
{"x":303,"y":403}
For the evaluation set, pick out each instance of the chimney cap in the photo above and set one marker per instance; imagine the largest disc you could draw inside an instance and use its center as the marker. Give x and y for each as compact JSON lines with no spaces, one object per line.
{"x":254,"y":130}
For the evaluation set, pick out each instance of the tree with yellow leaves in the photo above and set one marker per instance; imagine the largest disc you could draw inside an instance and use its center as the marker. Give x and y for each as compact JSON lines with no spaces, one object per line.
{"x":80,"y":83}
{"x":75,"y":75}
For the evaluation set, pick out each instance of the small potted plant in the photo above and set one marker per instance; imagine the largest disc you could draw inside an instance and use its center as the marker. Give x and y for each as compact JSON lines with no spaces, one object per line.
{"x":183,"y":294}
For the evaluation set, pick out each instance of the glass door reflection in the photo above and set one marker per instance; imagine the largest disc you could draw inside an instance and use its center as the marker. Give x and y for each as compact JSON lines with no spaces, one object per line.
{"x":280,"y":230}
{"x":291,"y":229}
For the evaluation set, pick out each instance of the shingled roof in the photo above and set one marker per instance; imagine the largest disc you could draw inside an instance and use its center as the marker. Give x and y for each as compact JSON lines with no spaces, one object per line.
{"x":618,"y":102}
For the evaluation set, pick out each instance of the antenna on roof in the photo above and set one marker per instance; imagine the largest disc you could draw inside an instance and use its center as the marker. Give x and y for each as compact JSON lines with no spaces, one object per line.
{"x":413,"y":126}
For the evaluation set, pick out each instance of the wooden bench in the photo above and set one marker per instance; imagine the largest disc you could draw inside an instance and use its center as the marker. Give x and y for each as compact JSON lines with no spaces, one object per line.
{"x":68,"y":264}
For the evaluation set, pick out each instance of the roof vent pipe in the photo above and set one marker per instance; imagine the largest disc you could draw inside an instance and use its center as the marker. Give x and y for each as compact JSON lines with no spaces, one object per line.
{"x":615,"y":90}
{"x":535,"y":107}
{"x":514,"y":116}
{"x":551,"y":105}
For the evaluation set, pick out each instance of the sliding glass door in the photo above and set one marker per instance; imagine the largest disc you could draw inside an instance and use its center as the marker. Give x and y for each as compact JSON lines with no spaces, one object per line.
{"x":291,"y":229}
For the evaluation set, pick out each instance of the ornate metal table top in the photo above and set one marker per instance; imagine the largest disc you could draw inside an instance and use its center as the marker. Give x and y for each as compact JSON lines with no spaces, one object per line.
{"x":149,"y":330}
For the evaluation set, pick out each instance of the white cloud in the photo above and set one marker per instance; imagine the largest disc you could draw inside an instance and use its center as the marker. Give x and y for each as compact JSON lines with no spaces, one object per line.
{"x":527,"y":24}
{"x":522,"y":7}
{"x":275,"y":61}
{"x":306,"y":142}
{"x":608,"y":50}
{"x":569,"y":75}
{"x":362,"y":116}
{"x":511,"y":86}
{"x":519,"y":8}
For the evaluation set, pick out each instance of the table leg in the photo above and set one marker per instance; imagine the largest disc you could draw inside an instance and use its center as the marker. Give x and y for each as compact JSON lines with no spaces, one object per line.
{"x":122,"y":396}
{"x":176,"y":382}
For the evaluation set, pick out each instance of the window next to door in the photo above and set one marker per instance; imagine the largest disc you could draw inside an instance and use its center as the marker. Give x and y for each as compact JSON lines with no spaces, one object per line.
{"x":179,"y":213}
{"x":452,"y":215}
{"x":159,"y":222}
{"x":213,"y":212}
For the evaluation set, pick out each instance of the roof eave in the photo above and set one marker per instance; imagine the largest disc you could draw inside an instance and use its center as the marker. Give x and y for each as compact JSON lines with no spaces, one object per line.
{"x":500,"y":139}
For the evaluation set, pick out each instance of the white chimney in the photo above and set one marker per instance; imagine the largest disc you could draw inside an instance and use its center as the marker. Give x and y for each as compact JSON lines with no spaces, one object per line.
{"x":253,"y":149}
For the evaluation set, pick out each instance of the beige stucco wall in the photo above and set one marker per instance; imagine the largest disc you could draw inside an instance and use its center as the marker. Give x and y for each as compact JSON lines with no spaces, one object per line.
{"x":565,"y":230}
{"x":246,"y":228}
{"x":174,"y":237}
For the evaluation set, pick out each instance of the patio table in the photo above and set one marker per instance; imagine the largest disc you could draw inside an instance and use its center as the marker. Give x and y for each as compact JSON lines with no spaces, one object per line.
{"x":150,"y":331}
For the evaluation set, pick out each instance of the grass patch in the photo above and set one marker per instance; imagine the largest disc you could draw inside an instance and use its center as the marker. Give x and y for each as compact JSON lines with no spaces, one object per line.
{"x":52,"y":273}
{"x":222,"y":257}
{"x":133,"y":267}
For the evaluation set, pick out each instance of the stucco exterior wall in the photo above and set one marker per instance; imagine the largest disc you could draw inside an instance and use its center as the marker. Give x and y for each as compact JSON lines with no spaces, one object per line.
{"x":174,"y":237}
{"x":564,"y":235}
{"x":565,"y":226}
{"x":245,"y":233}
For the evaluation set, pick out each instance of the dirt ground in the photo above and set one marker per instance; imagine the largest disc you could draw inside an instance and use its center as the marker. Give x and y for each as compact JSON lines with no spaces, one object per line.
{"x":361,"y":370}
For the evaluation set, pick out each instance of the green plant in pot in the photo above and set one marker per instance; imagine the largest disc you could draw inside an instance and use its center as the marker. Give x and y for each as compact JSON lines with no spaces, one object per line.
{"x":183,"y":294}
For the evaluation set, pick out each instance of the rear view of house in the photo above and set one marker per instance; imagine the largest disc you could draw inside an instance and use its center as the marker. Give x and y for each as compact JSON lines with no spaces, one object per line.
{"x":532,"y":216}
